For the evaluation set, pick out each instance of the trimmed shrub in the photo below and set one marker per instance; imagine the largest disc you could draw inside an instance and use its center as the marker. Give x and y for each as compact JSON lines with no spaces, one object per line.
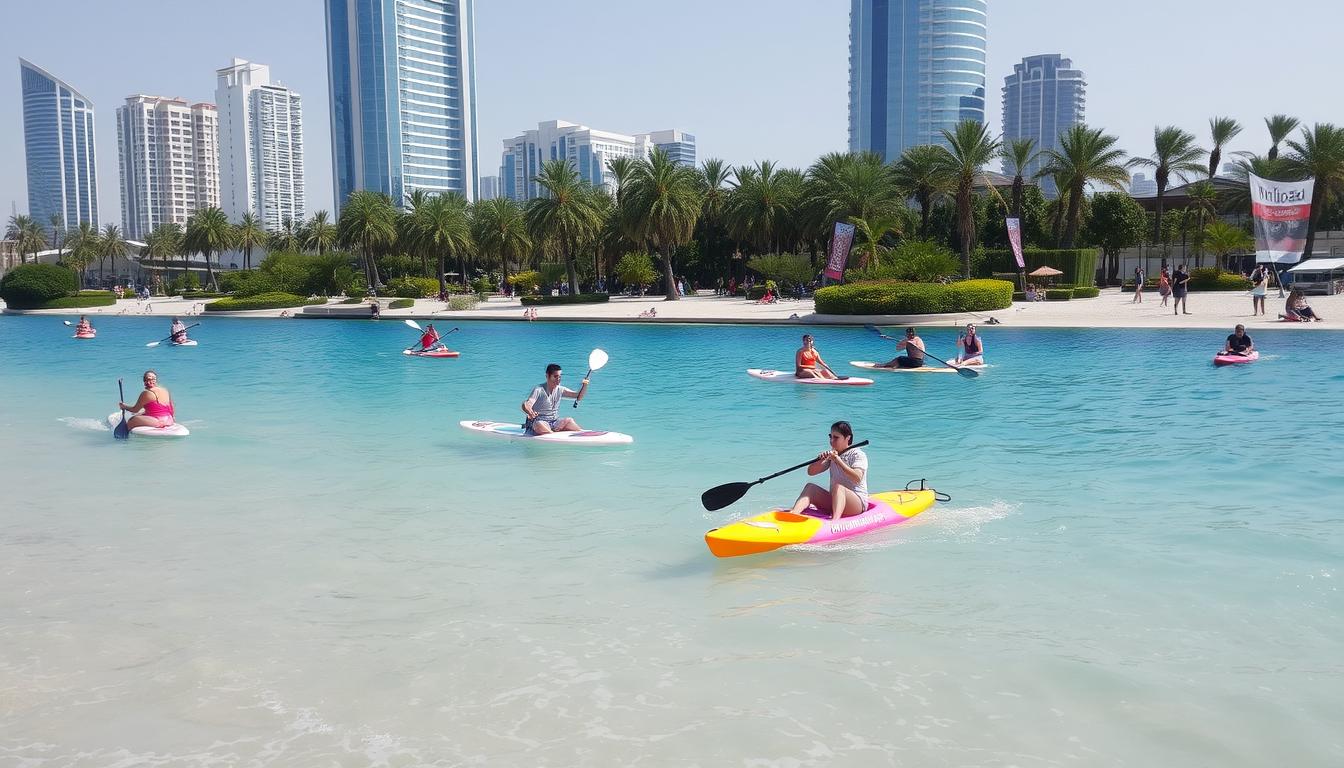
{"x":482,"y":286}
{"x":1058,"y":294}
{"x":887,"y":297}
{"x":1215,"y":279}
{"x":463,"y":303}
{"x":580,"y":298}
{"x":261,"y":301}
{"x":413,"y":287}
{"x":1087,"y":292}
{"x":184,"y":283}
{"x":921,"y":261}
{"x":82,"y":299}
{"x":525,"y":283}
{"x":401,"y":304}
{"x":1079,"y":265}
{"x":28,"y":285}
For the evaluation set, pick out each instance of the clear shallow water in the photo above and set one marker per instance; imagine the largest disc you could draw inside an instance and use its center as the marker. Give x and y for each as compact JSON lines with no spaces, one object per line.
{"x":1133,"y":569}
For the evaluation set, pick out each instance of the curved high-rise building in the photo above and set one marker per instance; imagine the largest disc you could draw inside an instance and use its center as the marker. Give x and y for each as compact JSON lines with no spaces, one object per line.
{"x":916,"y":67}
{"x":1044,"y":97}
{"x":58,"y":143}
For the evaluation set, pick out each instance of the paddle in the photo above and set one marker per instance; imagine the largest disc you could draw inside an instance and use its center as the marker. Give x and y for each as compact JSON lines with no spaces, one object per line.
{"x":962,"y":371}
{"x":171,"y":335}
{"x":417,"y":327}
{"x":596,"y":359}
{"x":122,"y":430}
{"x":721,"y":496}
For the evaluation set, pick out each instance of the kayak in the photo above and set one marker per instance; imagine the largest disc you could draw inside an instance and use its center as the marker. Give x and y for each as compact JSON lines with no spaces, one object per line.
{"x":766,"y":374}
{"x":187,"y":343}
{"x":431,"y":353}
{"x":173,"y":430}
{"x":1220,"y":359}
{"x":781,"y":528}
{"x":515,"y":431}
{"x":86,"y":335}
{"x":869,"y":365}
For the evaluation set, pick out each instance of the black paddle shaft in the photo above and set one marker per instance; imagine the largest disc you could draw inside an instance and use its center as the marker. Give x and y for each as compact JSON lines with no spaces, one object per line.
{"x":723,"y":495}
{"x":961,"y":370}
{"x":121,"y":431}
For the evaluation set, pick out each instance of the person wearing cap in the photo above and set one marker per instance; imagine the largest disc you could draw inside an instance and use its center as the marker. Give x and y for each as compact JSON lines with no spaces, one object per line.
{"x":1239,"y":343}
{"x":914,"y":352}
{"x":972,"y":348}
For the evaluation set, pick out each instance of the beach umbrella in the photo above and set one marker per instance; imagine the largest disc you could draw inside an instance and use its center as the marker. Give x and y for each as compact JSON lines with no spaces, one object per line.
{"x":1045,"y":272}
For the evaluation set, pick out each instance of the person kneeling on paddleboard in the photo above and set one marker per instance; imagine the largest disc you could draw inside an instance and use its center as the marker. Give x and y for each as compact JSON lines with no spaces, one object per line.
{"x":1238,"y":343}
{"x":542,"y":407}
{"x":155,"y":402}
{"x":914,"y":352}
{"x":848,"y":493}
{"x":430,"y":339}
{"x":807,"y":362}
{"x":972,"y":349}
{"x":178,"y":331}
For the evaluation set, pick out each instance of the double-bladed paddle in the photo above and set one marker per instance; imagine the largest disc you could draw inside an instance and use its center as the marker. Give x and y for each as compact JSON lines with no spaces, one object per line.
{"x":171,"y":335}
{"x":721,"y":496}
{"x":122,"y":430}
{"x":417,"y":327}
{"x":961,"y":370}
{"x":596,"y":359}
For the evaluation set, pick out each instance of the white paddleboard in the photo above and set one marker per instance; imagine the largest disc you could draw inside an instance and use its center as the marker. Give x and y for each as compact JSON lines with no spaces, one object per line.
{"x":176,"y":430}
{"x":928,"y":367}
{"x":187,"y":343}
{"x":787,"y":377}
{"x":515,"y":431}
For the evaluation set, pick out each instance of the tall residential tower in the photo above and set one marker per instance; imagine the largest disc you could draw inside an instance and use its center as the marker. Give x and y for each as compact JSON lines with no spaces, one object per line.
{"x":59,"y":148}
{"x":1044,"y":97}
{"x":168,"y":156}
{"x":403,"y":96}
{"x":916,"y":67}
{"x":260,"y":145}
{"x":588,"y":150}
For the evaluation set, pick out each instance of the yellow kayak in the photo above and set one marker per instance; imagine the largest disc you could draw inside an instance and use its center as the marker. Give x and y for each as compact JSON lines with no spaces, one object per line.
{"x":780,"y":527}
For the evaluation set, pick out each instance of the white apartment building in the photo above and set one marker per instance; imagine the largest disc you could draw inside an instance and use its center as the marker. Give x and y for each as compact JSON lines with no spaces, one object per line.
{"x":168,"y":156}
{"x":489,"y":188}
{"x":589,"y":150}
{"x":261,"y":145}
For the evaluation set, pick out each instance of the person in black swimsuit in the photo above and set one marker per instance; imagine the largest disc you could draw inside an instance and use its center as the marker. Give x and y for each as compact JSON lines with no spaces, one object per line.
{"x":1239,"y":343}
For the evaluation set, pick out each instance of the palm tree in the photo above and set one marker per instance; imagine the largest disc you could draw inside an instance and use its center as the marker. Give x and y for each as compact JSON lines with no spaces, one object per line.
{"x":499,"y":228}
{"x":1320,"y":156}
{"x":1019,"y":154}
{"x":850,"y":186}
{"x":319,"y":234}
{"x":713,"y":196}
{"x":921,"y":175}
{"x":566,"y":215}
{"x":441,"y":225}
{"x":1238,"y":197}
{"x":1223,"y":239}
{"x":870,"y":232}
{"x":163,"y":243}
{"x":1221,"y":130}
{"x":1203,"y":204}
{"x":286,"y":239}
{"x":83,"y":251}
{"x":408,"y":233}
{"x":368,"y":221}
{"x":26,"y":234}
{"x":209,"y":233}
{"x":111,"y":245}
{"x":248,"y":235}
{"x":1279,"y":127}
{"x":1174,"y":151}
{"x":1085,"y":155}
{"x":664,"y":205}
{"x":758,"y":206}
{"x":969,"y":149}
{"x":57,"y":222}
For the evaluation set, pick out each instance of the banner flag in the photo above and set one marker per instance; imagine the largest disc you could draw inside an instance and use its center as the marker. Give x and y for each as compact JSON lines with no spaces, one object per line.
{"x":1015,"y":239}
{"x":1282,"y":213}
{"x":840,"y":243}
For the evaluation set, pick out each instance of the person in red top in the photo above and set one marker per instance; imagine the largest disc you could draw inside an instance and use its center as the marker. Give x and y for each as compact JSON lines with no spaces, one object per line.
{"x":807,"y":363}
{"x":430,"y":339}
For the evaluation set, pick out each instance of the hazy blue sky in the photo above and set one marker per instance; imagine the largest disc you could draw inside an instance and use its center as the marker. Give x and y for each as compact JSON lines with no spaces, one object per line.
{"x":752,"y":79}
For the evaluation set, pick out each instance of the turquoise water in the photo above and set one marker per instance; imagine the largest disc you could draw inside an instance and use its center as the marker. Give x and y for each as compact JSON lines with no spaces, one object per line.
{"x":1140,"y":564}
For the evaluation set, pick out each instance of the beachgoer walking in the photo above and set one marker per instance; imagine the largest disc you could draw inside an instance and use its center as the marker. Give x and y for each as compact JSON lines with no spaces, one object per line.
{"x":1180,"y":285}
{"x":1138,"y":286}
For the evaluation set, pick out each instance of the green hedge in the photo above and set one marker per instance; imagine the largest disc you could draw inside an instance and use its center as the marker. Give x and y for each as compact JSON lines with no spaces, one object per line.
{"x":401,"y":304}
{"x":1079,"y":265}
{"x":888,"y":297}
{"x":28,"y":286}
{"x":352,"y":300}
{"x":1058,"y":294}
{"x":578,"y":298}
{"x":261,"y":301}
{"x":198,"y":295}
{"x":413,"y":287}
{"x":1215,"y":279}
{"x":82,"y":299}
{"x":1089,"y":292}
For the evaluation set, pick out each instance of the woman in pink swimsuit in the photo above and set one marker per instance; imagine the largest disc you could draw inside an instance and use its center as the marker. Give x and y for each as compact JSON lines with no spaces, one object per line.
{"x":155,"y":406}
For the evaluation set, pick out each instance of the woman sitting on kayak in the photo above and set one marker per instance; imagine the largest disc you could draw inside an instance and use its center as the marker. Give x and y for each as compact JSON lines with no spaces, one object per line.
{"x":155,"y":402}
{"x":807,"y":362}
{"x":972,"y":349}
{"x":848,"y":493}
{"x":84,"y":326}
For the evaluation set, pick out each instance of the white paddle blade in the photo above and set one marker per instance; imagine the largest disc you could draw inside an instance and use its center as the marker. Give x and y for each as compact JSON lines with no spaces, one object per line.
{"x":596,"y":359}
{"x":413,"y":324}
{"x":67,"y":322}
{"x":153,"y":344}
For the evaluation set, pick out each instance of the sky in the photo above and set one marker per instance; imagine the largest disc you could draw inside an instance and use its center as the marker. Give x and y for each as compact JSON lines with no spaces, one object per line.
{"x":751,"y":79}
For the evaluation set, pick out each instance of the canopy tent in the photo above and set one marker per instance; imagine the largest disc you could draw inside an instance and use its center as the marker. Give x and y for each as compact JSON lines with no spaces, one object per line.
{"x":1319,"y":276}
{"x":1319,"y":265}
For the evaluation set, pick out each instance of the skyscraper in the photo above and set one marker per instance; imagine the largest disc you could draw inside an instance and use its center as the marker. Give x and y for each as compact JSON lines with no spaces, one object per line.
{"x":403,"y":96}
{"x":916,"y":67}
{"x":1044,"y":97}
{"x":58,"y":142}
{"x":168,"y":156}
{"x":261,"y":145}
{"x":587,"y":149}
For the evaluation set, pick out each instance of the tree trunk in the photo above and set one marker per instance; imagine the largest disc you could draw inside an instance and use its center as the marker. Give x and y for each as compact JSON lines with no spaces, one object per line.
{"x":443,"y":279}
{"x":1075,"y":203}
{"x":210,"y":271}
{"x":924,"y":208}
{"x":571,"y":269}
{"x":966,"y":229}
{"x":669,"y":282}
{"x":1157,"y":223}
{"x":1019,"y":188}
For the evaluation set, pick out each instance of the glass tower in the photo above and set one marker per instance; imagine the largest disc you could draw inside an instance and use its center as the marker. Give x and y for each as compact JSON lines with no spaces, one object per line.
{"x":58,"y":143}
{"x":1043,"y":98}
{"x":403,"y":96}
{"x":916,"y":67}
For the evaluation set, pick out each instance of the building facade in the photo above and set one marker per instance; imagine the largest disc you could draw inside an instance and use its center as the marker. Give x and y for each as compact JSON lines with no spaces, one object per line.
{"x":589,"y":150}
{"x":916,"y":68}
{"x":489,"y":188}
{"x":403,"y":96}
{"x":261,"y":145}
{"x":1142,"y":186}
{"x":1044,"y":97}
{"x":168,"y":157}
{"x":58,"y":142}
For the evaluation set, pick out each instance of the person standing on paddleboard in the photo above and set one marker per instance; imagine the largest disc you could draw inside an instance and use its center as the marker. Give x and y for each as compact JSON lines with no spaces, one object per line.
{"x":1238,"y":343}
{"x":155,"y":402}
{"x":848,"y":487}
{"x":914,"y":352}
{"x":807,"y":362}
{"x":542,"y":407}
{"x":972,"y":349}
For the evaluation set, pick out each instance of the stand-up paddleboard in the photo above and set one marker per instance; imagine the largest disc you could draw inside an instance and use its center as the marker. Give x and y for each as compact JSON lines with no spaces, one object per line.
{"x":515,"y":431}
{"x":787,"y":377}
{"x":85,"y":335}
{"x":187,"y":343}
{"x":431,"y":353}
{"x":869,"y":365}
{"x":1220,"y":359}
{"x":174,"y":430}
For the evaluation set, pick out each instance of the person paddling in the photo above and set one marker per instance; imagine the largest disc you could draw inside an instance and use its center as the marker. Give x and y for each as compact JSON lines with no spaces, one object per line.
{"x":1239,"y":343}
{"x":542,"y":407}
{"x":847,"y":491}
{"x":430,"y":339}
{"x":807,"y":362}
{"x":154,"y":408}
{"x":84,"y":327}
{"x":914,"y":352}
{"x":972,"y":349}
{"x":178,"y":331}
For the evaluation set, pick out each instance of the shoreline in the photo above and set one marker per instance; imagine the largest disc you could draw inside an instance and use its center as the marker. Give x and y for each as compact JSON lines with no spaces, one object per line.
{"x":1112,"y":309}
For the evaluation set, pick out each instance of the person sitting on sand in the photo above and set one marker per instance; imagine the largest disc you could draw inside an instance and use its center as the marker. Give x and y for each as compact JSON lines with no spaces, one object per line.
{"x":972,"y":348}
{"x":914,"y":352}
{"x":650,"y":312}
{"x":1238,"y":343}
{"x":1295,"y":308}
{"x":848,"y":487}
{"x":155,"y":403}
{"x":807,"y":362}
{"x":542,"y":406}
